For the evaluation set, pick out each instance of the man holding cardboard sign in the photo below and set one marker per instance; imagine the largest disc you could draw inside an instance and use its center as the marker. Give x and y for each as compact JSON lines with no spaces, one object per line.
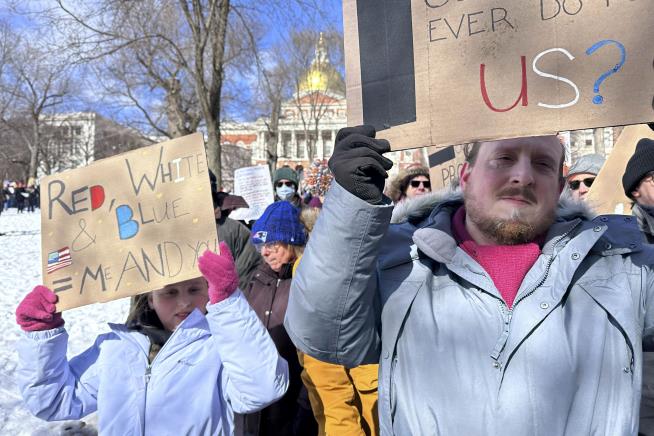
{"x":491,"y":311}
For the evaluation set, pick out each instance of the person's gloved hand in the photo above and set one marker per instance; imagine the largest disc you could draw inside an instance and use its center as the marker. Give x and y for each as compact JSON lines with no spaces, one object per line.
{"x":220,"y":272}
{"x":38,"y":312}
{"x":357,"y":162}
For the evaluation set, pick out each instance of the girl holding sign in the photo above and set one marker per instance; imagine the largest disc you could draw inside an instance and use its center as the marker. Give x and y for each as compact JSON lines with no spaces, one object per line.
{"x":190,"y":355}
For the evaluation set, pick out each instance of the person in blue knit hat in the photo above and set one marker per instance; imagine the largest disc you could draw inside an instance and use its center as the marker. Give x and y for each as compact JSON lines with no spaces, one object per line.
{"x":279,"y":236}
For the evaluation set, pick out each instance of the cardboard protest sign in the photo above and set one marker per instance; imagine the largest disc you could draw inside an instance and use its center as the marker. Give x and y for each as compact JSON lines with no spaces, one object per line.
{"x":607,"y":194}
{"x":441,"y":72}
{"x":445,"y":165}
{"x":127,"y":224}
{"x":255,"y":186}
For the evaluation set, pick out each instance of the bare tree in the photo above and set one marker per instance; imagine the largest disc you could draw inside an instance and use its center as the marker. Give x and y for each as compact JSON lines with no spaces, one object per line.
{"x":34,"y":81}
{"x":140,"y":79}
{"x":302,"y":69}
{"x":14,"y":160}
{"x":176,"y":55}
{"x":181,"y":49}
{"x":284,"y":73}
{"x":273,"y":84}
{"x":317,"y":82}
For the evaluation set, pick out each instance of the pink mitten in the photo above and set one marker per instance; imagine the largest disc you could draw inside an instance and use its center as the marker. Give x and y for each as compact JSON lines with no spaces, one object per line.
{"x":37,"y":311}
{"x":220,"y":272}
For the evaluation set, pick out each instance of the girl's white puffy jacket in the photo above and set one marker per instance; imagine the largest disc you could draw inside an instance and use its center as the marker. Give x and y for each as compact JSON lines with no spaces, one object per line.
{"x":211,"y":367}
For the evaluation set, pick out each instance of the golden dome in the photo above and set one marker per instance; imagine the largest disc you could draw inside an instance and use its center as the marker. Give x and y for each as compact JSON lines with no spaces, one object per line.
{"x":321,"y":76}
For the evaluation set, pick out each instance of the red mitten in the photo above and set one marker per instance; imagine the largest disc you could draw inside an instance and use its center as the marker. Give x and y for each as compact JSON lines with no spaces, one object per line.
{"x":220,"y":272}
{"x":38,"y":312}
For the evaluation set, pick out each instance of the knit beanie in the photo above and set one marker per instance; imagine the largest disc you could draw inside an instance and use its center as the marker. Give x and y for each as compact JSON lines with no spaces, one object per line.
{"x":641,"y":163}
{"x":280,"y":222}
{"x":587,"y":164}
{"x":285,"y":173}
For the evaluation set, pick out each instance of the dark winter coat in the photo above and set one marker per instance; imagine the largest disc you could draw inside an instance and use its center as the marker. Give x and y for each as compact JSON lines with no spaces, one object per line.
{"x":645,"y":216}
{"x":237,"y":238}
{"x":20,"y":199}
{"x":267,"y":293}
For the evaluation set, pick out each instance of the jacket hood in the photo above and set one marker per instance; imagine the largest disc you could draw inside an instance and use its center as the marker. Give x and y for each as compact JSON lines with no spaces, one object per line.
{"x":419,"y":208}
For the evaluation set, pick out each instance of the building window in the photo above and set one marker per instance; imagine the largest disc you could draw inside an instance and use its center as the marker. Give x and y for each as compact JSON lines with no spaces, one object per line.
{"x":329,"y":143}
{"x":286,"y":146}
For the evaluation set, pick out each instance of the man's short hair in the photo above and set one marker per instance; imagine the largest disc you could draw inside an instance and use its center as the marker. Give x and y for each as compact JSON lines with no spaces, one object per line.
{"x":471,"y":150}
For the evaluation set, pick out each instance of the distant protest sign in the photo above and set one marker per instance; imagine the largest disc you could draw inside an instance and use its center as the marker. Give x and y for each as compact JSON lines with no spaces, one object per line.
{"x":445,"y":165}
{"x":127,"y":224}
{"x":442,"y":72}
{"x":607,"y":194}
{"x":255,"y":186}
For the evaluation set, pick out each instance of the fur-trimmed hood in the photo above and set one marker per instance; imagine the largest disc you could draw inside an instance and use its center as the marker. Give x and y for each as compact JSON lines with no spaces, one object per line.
{"x":419,"y":208}
{"x":397,"y":187}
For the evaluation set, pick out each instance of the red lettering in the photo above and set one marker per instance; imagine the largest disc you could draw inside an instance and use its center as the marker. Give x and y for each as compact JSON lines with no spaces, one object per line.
{"x":97,"y":196}
{"x":523,"y":91}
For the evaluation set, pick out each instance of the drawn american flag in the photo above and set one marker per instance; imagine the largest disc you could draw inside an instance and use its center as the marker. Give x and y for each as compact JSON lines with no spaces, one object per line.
{"x":59,"y":259}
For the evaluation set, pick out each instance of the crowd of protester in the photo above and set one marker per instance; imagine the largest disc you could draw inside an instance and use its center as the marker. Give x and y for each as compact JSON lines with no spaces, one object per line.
{"x":367,"y":318}
{"x":23,"y":196}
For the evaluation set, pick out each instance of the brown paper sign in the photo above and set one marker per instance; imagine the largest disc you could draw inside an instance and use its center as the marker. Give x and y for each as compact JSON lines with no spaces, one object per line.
{"x":445,"y":165}
{"x":607,"y":194}
{"x":441,"y":72}
{"x":128,"y":224}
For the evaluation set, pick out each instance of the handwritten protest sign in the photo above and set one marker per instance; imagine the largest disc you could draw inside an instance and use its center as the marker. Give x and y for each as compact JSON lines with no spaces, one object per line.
{"x":445,"y":165}
{"x":127,"y":224}
{"x":607,"y":194}
{"x":441,"y":72}
{"x":255,"y":186}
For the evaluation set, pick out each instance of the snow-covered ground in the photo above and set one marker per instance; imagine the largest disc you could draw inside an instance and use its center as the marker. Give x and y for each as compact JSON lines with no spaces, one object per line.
{"x":20,"y":253}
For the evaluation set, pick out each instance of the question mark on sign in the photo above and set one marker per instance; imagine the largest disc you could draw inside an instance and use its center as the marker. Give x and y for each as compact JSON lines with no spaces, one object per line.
{"x":598,"y":99}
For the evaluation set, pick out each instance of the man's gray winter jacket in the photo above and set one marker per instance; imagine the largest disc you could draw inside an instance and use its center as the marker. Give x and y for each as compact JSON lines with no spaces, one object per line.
{"x":566,"y":360}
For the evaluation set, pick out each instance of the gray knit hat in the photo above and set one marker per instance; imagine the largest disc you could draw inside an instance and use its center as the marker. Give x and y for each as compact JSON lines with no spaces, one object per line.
{"x":588,"y":164}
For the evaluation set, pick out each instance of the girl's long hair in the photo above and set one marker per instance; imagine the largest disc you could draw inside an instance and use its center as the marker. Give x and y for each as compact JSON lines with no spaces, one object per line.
{"x":140,"y":313}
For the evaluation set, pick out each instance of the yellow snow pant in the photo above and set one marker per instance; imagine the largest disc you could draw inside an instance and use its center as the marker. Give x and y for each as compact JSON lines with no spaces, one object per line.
{"x":344,"y":401}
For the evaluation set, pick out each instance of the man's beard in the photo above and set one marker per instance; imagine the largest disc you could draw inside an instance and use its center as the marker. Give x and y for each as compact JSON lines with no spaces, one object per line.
{"x":508,"y":231}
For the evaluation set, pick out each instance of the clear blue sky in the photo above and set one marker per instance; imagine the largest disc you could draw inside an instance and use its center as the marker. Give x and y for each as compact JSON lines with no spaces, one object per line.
{"x":277,"y":27}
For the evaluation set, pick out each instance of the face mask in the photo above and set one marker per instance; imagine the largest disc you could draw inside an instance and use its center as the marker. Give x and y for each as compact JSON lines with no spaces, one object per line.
{"x":285,"y":192}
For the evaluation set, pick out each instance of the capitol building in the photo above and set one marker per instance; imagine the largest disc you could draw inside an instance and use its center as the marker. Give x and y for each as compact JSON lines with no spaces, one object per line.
{"x":308,"y":122}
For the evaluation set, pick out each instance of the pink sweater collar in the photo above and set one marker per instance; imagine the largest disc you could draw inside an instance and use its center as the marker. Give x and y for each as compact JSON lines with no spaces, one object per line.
{"x":495,"y":258}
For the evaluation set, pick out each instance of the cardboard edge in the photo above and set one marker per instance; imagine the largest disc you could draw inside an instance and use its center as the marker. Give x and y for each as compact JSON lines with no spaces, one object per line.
{"x":352,"y":64}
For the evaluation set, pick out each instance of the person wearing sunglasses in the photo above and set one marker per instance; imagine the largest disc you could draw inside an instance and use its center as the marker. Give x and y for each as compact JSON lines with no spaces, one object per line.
{"x":286,"y":182}
{"x":582,"y":175}
{"x":409,"y":183}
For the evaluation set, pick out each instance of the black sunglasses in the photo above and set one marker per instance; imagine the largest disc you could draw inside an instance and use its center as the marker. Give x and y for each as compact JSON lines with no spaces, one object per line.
{"x":416,"y":183}
{"x":575,"y":184}
{"x":289,"y":184}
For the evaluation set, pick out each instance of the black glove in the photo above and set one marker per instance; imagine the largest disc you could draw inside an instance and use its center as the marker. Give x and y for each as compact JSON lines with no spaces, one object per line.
{"x":358,"y":164}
